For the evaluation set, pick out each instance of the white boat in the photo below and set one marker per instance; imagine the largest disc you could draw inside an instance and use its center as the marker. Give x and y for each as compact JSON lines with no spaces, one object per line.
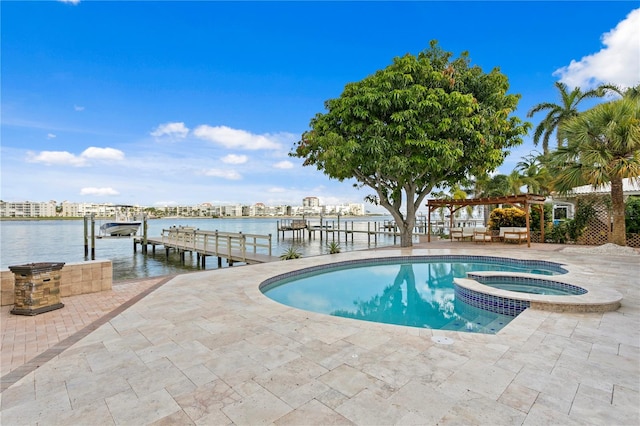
{"x":123,"y":226}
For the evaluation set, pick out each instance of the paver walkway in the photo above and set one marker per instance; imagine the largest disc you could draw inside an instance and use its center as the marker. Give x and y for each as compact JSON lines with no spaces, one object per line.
{"x":29,"y":341}
{"x":209,"y":348}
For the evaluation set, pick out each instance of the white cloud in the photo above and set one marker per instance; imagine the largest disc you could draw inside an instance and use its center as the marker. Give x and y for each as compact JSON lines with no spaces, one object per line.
{"x":64,"y":158}
{"x":224,"y":174}
{"x":617,"y":63}
{"x":50,"y":136}
{"x":103,"y":153}
{"x":284,"y":165}
{"x":236,"y":139}
{"x":98,"y":191}
{"x":58,"y":158}
{"x":78,"y":107}
{"x":235,"y":159}
{"x":276,"y":190}
{"x":171,"y":130}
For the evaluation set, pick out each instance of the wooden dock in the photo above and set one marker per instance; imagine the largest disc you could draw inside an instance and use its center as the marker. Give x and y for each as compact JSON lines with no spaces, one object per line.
{"x":235,"y":247}
{"x":330,"y":230}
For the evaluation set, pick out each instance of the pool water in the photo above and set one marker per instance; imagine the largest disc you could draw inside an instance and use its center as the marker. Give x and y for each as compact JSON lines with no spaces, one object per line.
{"x":415,"y":293}
{"x":531,"y":289}
{"x":530,"y":285}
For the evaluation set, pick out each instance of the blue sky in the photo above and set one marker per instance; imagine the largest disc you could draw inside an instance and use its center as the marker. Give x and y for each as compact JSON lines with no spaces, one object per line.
{"x":163,"y":103}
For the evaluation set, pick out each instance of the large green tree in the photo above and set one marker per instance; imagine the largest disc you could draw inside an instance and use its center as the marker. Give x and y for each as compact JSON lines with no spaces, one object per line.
{"x":603,"y":147}
{"x":424,"y":122}
{"x":565,"y":110}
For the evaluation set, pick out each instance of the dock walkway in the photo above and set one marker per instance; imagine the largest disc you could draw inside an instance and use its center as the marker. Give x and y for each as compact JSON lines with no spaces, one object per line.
{"x":330,"y":230}
{"x":235,"y":247}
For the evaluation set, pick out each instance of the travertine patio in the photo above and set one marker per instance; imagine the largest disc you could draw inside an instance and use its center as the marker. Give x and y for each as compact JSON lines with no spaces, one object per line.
{"x":208,"y":348}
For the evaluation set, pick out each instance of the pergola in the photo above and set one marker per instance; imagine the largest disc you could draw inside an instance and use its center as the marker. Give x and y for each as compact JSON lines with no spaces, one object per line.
{"x":522,"y":202}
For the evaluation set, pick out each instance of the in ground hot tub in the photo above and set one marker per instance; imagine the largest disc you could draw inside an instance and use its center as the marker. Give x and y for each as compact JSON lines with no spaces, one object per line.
{"x":529,"y":285}
{"x":512,"y":294}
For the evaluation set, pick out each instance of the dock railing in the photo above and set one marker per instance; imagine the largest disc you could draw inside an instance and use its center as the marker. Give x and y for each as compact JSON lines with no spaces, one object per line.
{"x":227,"y":244}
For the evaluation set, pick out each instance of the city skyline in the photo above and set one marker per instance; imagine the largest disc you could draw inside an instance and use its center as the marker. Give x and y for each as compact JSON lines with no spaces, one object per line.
{"x":53,"y":208}
{"x":182,"y":103}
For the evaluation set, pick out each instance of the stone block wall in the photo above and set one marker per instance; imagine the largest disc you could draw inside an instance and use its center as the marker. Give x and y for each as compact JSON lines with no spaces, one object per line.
{"x":75,"y":278}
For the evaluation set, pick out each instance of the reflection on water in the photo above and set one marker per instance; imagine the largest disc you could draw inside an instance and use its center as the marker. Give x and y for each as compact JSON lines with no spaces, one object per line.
{"x":412,"y":294}
{"x":63,"y":241}
{"x":401,"y":303}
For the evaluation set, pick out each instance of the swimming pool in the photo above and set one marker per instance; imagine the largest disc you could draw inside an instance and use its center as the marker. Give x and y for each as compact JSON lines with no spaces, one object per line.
{"x":415,"y":291}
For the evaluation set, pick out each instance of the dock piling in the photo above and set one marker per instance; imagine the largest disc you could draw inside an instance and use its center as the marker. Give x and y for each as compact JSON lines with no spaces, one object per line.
{"x":93,"y":236}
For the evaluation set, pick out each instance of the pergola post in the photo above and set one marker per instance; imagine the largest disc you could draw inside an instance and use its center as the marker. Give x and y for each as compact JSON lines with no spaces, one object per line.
{"x":542,"y":223}
{"x":526,"y":209}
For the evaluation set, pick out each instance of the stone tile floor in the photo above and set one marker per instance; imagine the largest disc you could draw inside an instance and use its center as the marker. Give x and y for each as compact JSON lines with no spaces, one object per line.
{"x":208,"y":348}
{"x":37,"y":338}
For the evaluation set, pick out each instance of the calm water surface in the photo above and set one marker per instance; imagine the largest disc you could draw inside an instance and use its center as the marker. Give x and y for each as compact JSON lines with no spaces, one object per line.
{"x":63,"y":241}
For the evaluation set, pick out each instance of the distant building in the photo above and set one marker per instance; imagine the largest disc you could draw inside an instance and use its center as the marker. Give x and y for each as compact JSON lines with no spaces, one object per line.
{"x":258,"y":209}
{"x":28,"y":209}
{"x":99,"y":210}
{"x":311,"y":206}
{"x":356,"y":209}
{"x":311,"y":202}
{"x":234,"y":210}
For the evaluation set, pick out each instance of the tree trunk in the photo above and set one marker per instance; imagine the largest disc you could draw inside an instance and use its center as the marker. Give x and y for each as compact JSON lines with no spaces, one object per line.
{"x":404,"y":224}
{"x":405,"y":227}
{"x":617,"y":200}
{"x":406,"y":235}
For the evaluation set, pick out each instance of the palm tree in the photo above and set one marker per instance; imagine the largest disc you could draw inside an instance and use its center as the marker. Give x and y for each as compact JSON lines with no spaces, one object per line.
{"x":516,"y":182}
{"x":490,"y":186}
{"x":498,"y":186}
{"x":534,"y":173}
{"x":568,"y":108}
{"x":458,"y":193}
{"x":603,"y":147}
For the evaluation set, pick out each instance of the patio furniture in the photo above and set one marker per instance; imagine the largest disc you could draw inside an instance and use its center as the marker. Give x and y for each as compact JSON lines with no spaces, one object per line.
{"x":482,"y":235}
{"x":513,"y":234}
{"x":461,"y":233}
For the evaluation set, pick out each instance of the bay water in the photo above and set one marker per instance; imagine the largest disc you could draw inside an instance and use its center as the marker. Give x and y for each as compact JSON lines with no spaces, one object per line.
{"x":31,"y":241}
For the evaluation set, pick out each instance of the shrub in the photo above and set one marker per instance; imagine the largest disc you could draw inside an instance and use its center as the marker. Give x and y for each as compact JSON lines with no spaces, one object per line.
{"x":632,"y":216}
{"x":290,"y":253}
{"x":509,"y":216}
{"x":557,"y":233}
{"x":534,"y":223}
{"x":333,"y":247}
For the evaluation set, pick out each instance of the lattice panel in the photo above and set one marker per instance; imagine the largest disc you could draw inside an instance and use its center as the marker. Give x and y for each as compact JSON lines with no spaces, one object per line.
{"x":633,"y":240}
{"x":596,"y":233}
{"x":598,"y":230}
